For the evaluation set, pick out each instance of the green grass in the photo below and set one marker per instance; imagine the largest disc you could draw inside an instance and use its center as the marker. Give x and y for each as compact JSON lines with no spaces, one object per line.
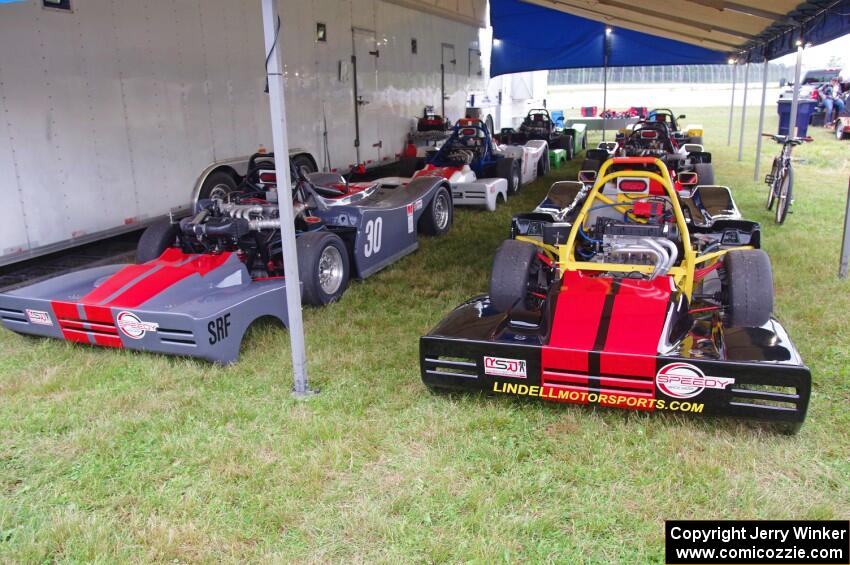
{"x":109,"y":456}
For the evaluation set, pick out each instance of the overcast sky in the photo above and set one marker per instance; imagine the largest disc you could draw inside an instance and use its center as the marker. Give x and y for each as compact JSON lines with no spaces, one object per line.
{"x":820,"y":55}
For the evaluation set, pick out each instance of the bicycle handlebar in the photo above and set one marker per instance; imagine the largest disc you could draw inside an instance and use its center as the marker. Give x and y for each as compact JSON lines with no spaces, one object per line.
{"x":785,"y":139}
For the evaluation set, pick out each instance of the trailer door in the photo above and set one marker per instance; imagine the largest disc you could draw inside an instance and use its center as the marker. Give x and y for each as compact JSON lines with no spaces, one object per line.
{"x":448,"y":75}
{"x":365,"y":60}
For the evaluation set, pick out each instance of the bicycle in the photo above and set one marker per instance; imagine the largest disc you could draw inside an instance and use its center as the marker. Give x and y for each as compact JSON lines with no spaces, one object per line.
{"x":781,"y":176}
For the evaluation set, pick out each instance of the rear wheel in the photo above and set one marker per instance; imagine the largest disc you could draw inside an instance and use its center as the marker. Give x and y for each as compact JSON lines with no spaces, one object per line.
{"x":784,"y":195}
{"x":509,"y":280}
{"x":569,"y":145}
{"x":543,"y":165}
{"x":323,"y":267}
{"x":437,"y":218}
{"x":748,"y":287}
{"x":155,"y":240}
{"x":508,"y":169}
{"x":697,"y":139}
{"x":408,"y":166}
{"x":771,"y":188}
{"x":705,"y":173}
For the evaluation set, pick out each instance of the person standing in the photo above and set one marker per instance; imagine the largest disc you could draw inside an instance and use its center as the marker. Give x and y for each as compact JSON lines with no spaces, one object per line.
{"x":831,"y":93}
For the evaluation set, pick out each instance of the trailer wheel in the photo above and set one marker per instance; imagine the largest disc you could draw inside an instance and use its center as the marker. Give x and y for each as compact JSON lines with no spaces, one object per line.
{"x":323,"y":267}
{"x":511,"y":274}
{"x":705,"y":173}
{"x":218,"y":185}
{"x":749,"y":288}
{"x":508,"y":169}
{"x":155,"y":240}
{"x":303,"y":164}
{"x":437,"y":218}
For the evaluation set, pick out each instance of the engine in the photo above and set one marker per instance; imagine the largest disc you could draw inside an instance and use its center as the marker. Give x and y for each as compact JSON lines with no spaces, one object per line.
{"x":650,"y":242}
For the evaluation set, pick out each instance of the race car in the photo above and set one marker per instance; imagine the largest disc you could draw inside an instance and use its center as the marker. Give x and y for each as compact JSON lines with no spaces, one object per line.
{"x":691,"y":133}
{"x":653,"y":139}
{"x":202,"y":281}
{"x":430,"y":131}
{"x":480,"y":171}
{"x":538,"y":124}
{"x":632,"y":295}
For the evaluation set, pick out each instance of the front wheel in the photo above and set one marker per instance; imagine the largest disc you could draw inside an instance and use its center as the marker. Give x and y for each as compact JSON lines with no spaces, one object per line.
{"x":437,"y":218}
{"x":748,"y":288}
{"x":705,"y":173}
{"x":323,"y":267}
{"x":783,"y":198}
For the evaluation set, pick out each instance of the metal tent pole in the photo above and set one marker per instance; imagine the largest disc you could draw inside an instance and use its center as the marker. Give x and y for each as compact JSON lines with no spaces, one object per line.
{"x":761,"y":120}
{"x":792,"y":124}
{"x":732,"y":102}
{"x":274,"y":71}
{"x":605,"y":78}
{"x":844,"y":262}
{"x":744,"y":111}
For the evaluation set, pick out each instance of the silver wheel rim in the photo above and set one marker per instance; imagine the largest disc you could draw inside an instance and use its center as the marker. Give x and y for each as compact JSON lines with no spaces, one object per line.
{"x":330,"y":269}
{"x":516,"y":181}
{"x":220,"y":191}
{"x":441,"y":211}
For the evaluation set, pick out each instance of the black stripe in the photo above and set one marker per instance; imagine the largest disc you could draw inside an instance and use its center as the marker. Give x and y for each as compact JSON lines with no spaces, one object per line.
{"x":593,"y":358}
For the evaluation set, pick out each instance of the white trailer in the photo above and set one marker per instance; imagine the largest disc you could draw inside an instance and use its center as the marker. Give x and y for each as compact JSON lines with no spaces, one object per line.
{"x":109,"y":110}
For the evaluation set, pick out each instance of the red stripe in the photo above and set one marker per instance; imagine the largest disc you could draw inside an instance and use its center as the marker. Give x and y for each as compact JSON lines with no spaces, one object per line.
{"x":170,"y":273}
{"x":114,"y":283}
{"x":637,"y":321}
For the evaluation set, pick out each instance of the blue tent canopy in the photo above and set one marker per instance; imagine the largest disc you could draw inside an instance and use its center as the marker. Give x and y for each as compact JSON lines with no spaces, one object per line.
{"x":529,"y":37}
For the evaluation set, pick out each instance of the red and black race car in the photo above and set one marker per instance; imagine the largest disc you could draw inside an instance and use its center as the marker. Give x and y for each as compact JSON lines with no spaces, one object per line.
{"x":628,"y":294}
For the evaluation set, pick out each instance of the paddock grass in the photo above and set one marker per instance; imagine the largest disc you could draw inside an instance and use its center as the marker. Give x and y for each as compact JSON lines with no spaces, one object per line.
{"x":110,"y":456}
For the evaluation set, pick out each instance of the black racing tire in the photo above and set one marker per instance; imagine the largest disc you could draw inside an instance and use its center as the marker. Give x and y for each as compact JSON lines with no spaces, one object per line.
{"x":508,"y":168}
{"x":407,"y":166}
{"x":771,"y":192}
{"x":569,"y":145}
{"x":749,"y":288}
{"x":155,"y":240}
{"x":590,"y":165}
{"x":437,"y":218}
{"x":510,"y":275}
{"x":584,"y":141}
{"x":697,"y":139}
{"x":556,"y":142}
{"x":218,"y":185}
{"x":705,"y":173}
{"x":323,"y":267}
{"x":785,"y":195}
{"x":304,"y":164}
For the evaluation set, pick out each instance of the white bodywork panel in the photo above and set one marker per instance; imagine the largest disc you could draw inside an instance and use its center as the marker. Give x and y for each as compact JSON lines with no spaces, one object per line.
{"x":109,"y":113}
{"x":481,"y":192}
{"x":528,"y":155}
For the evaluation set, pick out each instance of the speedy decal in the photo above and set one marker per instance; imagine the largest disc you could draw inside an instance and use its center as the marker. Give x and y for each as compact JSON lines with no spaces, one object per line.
{"x":39,"y":317}
{"x":133,"y":327}
{"x":500,"y":367}
{"x":601,"y":398}
{"x":410,"y":218}
{"x":683,"y":380}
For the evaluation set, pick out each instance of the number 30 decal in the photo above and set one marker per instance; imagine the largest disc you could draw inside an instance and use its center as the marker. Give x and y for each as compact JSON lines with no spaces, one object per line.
{"x":373,"y":236}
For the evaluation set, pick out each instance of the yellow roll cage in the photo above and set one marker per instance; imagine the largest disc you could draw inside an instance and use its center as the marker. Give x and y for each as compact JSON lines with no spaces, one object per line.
{"x":683,"y":274}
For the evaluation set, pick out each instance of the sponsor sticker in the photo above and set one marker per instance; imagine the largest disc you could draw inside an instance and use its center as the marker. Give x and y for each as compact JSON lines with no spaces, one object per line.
{"x":39,"y":317}
{"x":410,"y":218}
{"x":683,"y":380}
{"x":417,"y":205}
{"x":133,"y":327}
{"x":501,"y":367}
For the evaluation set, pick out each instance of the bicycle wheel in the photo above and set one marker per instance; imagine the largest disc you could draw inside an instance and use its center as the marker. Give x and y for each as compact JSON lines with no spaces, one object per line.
{"x":784,"y":197}
{"x":771,"y":188}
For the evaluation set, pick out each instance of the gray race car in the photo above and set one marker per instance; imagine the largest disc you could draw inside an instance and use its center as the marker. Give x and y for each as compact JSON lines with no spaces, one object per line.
{"x":203,"y":281}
